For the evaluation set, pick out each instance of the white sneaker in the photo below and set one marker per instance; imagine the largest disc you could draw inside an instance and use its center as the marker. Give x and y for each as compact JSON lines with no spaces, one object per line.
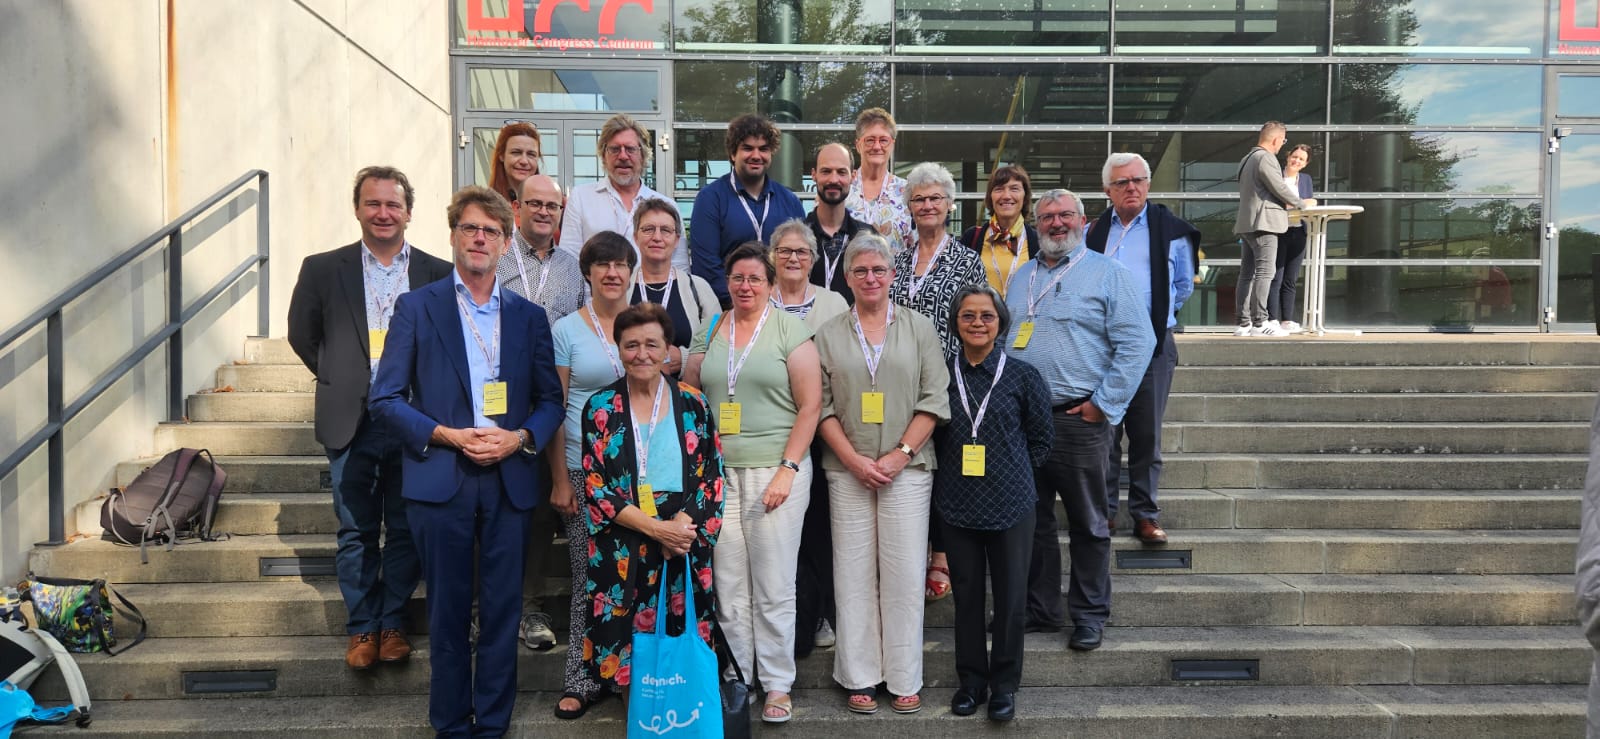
{"x":1271,"y":329}
{"x":535,"y":631}
{"x":1293,"y":328}
{"x":1244,"y":331}
{"x":825,"y":637}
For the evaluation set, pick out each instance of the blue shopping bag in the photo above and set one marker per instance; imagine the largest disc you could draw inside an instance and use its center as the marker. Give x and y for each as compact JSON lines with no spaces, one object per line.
{"x":675,"y":686}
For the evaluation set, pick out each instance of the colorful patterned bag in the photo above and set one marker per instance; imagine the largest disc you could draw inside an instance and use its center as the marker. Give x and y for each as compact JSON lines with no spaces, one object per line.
{"x":78,"y":613}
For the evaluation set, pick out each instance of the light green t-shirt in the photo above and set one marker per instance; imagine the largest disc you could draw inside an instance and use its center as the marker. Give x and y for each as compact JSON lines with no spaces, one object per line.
{"x":767,"y":404}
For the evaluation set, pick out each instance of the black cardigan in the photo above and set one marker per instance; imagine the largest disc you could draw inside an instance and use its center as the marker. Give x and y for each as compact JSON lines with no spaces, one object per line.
{"x":1164,"y":226}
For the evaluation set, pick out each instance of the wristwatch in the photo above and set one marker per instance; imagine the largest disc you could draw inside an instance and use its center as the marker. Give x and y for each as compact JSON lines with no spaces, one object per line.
{"x":791,"y":464}
{"x":527,"y":442}
{"x":904,"y":447}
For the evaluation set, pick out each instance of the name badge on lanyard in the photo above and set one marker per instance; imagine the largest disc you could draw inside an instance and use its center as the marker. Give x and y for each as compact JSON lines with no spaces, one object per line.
{"x":972,"y":455}
{"x":730,"y":414}
{"x":494,"y":390}
{"x":766,"y":203}
{"x":641,"y":444}
{"x":872,"y":401}
{"x":1025,"y":329}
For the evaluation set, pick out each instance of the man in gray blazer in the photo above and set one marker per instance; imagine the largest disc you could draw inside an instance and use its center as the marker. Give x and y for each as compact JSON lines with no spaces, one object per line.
{"x":1264,"y":199}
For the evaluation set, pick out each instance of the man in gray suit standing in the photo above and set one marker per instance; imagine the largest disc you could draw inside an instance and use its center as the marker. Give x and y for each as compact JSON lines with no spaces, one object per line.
{"x":1264,"y":199}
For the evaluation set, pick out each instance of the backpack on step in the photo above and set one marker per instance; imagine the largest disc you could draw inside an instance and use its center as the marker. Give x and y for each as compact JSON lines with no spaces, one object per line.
{"x":174,"y":498}
{"x":25,"y":654}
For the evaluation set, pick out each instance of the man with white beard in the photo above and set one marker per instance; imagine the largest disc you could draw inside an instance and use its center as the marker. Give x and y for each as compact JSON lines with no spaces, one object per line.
{"x":1079,"y":319}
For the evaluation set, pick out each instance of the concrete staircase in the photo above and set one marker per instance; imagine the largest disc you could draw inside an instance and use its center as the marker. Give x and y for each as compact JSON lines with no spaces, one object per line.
{"x":1370,"y":538}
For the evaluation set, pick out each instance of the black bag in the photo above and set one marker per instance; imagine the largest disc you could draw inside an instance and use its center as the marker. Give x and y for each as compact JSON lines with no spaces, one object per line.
{"x":738,"y":695}
{"x":175,"y":497}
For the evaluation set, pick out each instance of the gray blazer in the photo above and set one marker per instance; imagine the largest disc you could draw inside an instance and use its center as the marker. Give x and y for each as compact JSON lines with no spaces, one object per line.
{"x":1588,"y":569}
{"x":1263,"y":195}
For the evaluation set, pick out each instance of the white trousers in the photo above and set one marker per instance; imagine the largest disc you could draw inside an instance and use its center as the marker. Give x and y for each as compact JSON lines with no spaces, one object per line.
{"x":880,"y":552}
{"x":753,"y":566}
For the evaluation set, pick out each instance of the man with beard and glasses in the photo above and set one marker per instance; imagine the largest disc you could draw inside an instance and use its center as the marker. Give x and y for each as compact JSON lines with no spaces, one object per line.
{"x":608,"y":205}
{"x":744,"y":206}
{"x":830,"y":221}
{"x":1080,"y":321}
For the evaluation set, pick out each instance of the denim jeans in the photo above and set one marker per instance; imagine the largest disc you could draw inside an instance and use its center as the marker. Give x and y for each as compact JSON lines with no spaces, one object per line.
{"x":376,"y":561}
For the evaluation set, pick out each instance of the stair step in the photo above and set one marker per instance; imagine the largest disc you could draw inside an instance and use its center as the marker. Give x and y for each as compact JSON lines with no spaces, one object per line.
{"x":1330,"y":351}
{"x":1299,"y":655}
{"x":272,"y":378}
{"x":262,"y":350}
{"x":1219,"y":379}
{"x":268,"y":407}
{"x":242,"y":438}
{"x":1333,"y":551}
{"x":1377,"y":438}
{"x":1352,"y":407}
{"x":277,"y":513}
{"x":1434,"y":712}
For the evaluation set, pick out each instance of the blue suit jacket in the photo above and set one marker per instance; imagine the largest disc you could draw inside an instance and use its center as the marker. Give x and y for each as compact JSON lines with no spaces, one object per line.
{"x":423,"y":382}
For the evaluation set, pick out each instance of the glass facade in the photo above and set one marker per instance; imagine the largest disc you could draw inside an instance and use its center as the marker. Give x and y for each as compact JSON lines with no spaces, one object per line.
{"x":1467,"y":129}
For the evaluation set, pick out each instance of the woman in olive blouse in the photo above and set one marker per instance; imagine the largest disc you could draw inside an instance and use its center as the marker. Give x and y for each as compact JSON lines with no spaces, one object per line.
{"x":883,"y":391}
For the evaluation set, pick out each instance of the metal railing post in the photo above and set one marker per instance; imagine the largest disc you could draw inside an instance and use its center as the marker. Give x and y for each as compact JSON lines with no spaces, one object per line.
{"x":174,"y":319}
{"x":264,"y":267}
{"x":55,"y":401}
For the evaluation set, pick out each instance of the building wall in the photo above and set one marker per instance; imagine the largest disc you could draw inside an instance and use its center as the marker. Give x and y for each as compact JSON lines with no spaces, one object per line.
{"x":134,"y":111}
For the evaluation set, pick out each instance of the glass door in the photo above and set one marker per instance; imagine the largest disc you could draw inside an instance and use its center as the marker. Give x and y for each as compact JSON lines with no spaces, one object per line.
{"x":1572,"y":228}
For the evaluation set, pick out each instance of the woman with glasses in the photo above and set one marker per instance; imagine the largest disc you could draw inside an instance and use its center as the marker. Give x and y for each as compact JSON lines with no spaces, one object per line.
{"x":760,"y":373}
{"x":1006,"y":241}
{"x":927,"y":276}
{"x":794,"y":252}
{"x":883,"y":392}
{"x":999,"y":431}
{"x":587,"y":359}
{"x":516,"y":158}
{"x":877,"y":197}
{"x":688,"y":299}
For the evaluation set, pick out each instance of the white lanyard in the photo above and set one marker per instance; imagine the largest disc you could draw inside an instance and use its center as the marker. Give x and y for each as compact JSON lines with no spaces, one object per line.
{"x":1016,"y":259}
{"x":983,"y":408}
{"x":916,"y":282}
{"x":1033,"y":302}
{"x":491,"y":350}
{"x":735,"y":369}
{"x":641,"y":446}
{"x":777,"y":299}
{"x":766,"y":203}
{"x":385,"y":303}
{"x":866,"y":351}
{"x":829,"y":266}
{"x":599,"y":333}
{"x":1112,"y":252}
{"x":544,"y":272}
{"x":666,"y":297}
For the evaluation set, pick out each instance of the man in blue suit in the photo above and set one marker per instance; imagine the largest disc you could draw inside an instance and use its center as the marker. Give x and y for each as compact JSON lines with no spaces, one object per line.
{"x":468,"y":384}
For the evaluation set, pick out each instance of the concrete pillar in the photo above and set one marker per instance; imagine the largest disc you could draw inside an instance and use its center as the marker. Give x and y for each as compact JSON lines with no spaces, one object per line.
{"x":778,"y":22}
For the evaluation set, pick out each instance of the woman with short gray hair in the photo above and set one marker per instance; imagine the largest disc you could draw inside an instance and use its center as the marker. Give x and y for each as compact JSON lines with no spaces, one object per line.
{"x":794,"y":253}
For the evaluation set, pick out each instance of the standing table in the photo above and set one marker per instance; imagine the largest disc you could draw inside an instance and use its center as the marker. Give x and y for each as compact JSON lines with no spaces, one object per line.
{"x":1316,"y":220}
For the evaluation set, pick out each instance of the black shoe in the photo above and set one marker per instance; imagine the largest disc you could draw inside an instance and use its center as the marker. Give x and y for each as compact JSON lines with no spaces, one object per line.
{"x":965,"y":702}
{"x":1003,"y":707}
{"x":1039,"y":627}
{"x":1085,"y":637}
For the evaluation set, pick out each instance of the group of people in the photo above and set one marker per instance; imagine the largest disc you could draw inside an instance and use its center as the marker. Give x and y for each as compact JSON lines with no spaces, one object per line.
{"x":772,"y":398}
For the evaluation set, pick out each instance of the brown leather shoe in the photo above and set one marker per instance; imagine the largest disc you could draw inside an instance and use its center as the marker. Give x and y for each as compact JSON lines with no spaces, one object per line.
{"x":362,"y":652}
{"x":1149,"y":531}
{"x":393,"y":646}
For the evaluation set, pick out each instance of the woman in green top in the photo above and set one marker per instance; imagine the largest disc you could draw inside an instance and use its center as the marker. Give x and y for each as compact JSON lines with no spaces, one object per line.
{"x":759,"y":370}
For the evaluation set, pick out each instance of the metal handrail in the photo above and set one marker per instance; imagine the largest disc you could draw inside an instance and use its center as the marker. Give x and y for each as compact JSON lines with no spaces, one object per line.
{"x":58,"y":412}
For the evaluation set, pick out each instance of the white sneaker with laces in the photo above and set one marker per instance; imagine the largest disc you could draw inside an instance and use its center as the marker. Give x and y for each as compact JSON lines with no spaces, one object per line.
{"x":535,"y":631}
{"x":1244,"y":331}
{"x":825,"y":637}
{"x":1293,"y":328}
{"x":1271,"y":329}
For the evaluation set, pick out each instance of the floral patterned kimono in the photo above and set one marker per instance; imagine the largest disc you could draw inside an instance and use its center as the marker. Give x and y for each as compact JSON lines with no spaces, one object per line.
{"x":625,"y":566}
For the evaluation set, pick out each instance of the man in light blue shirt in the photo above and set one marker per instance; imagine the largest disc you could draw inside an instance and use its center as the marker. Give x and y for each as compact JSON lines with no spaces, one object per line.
{"x":1160,"y":249}
{"x":1080,"y":322}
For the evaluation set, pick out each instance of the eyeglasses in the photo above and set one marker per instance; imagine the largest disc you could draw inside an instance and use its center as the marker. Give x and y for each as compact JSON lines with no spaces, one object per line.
{"x":978,"y":317}
{"x":620,"y":265}
{"x":1127,"y":182}
{"x":1065,"y":215}
{"x":538,"y":205}
{"x":471,"y":230}
{"x":861,"y":273}
{"x":667,"y":231}
{"x":751,"y":280}
{"x":875,"y":142}
{"x":927,"y":200}
{"x":615,"y":149}
{"x":787,"y":253}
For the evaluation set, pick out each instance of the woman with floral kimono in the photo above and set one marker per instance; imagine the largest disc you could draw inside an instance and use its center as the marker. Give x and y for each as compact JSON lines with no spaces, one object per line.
{"x":652,"y":463}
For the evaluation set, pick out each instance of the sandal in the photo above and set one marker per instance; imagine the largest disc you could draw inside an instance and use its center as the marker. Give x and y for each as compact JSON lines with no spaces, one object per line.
{"x":906,"y":703}
{"x":936,"y":590}
{"x":777,"y":710}
{"x":863,"y":701}
{"x":584,"y":703}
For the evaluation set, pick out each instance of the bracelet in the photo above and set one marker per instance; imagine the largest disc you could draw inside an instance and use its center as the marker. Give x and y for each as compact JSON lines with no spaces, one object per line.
{"x":791,"y":464}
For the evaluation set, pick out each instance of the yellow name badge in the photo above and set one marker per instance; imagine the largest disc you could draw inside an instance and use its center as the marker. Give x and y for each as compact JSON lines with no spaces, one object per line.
{"x":375,"y":339}
{"x":494,"y":398}
{"x":872,"y":407}
{"x":1024,"y":333}
{"x":972,"y":460}
{"x":728,"y":417}
{"x":647,"y":500}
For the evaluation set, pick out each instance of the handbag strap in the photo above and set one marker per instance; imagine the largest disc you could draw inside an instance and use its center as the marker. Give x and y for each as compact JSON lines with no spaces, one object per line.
{"x":133,"y":611}
{"x":691,"y":625}
{"x":726,"y":648}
